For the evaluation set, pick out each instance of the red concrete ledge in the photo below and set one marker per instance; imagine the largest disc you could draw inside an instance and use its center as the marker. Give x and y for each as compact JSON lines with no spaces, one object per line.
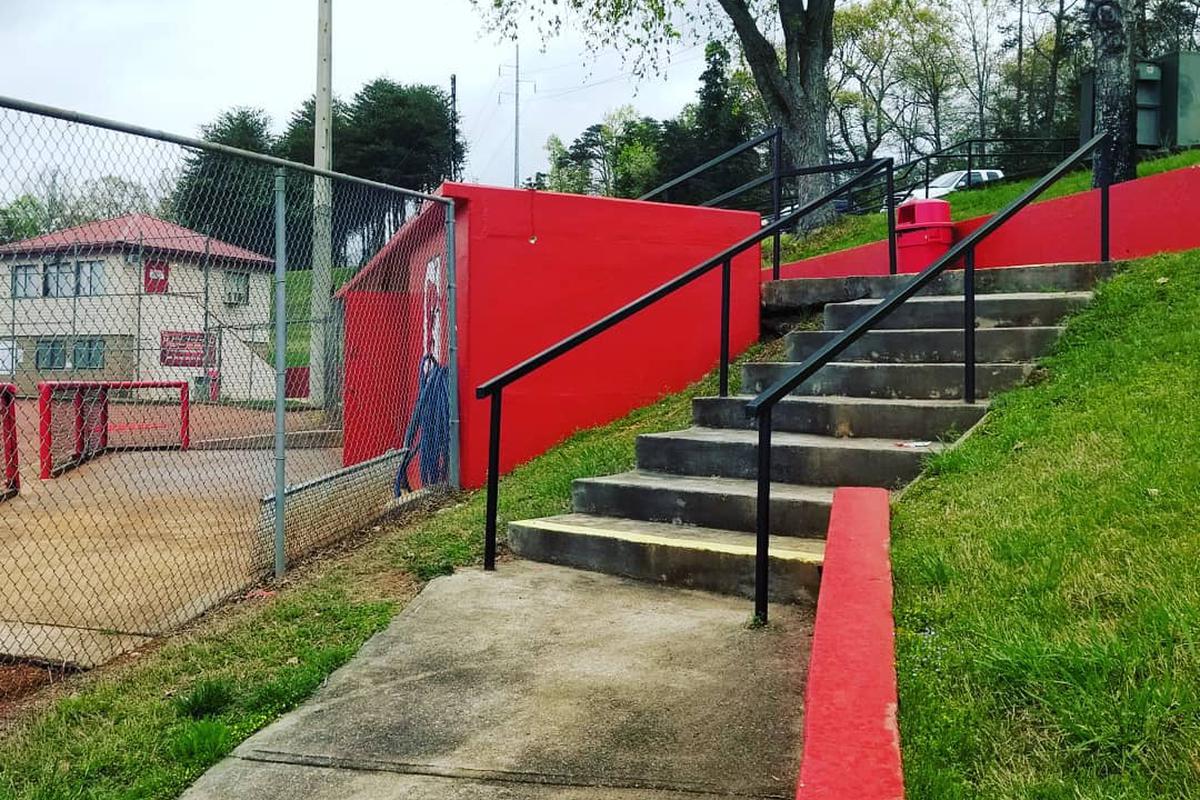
{"x":851,"y":737}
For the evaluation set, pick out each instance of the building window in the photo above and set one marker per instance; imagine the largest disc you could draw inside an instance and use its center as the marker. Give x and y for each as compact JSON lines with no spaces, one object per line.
{"x":89,"y":354}
{"x":59,"y":280}
{"x":237,"y":288}
{"x":26,"y":281}
{"x":51,"y":354}
{"x":90,"y":278}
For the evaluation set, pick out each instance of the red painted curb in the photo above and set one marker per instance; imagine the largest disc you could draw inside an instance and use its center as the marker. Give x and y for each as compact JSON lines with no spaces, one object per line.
{"x":851,"y":737}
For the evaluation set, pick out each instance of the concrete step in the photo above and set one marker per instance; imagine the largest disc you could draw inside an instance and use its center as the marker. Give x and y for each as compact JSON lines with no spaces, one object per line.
{"x":911,"y":381}
{"x":725,"y":503}
{"x":804,"y":294}
{"x":799,"y":458}
{"x":687,"y":556}
{"x":1007,"y":310}
{"x":941,"y":345}
{"x":847,"y":416}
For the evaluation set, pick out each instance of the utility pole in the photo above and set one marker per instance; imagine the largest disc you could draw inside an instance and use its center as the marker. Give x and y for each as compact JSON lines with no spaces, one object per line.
{"x":453,"y":170}
{"x":517,"y":120}
{"x":516,"y":93}
{"x":322,"y":239}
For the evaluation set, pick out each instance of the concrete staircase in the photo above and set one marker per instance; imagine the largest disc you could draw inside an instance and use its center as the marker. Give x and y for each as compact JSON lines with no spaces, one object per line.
{"x":686,"y":514}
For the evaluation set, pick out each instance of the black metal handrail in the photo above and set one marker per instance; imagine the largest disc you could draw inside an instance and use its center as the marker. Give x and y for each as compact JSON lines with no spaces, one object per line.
{"x":903,"y":171}
{"x":774,"y":177}
{"x":494,"y":388}
{"x":762,"y":405}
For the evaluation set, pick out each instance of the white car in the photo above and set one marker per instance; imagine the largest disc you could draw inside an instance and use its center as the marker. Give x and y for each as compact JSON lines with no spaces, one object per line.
{"x":948,"y":182}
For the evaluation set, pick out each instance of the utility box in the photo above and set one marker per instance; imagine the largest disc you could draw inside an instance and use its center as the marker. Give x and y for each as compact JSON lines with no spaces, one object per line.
{"x":924,"y":233}
{"x":1148,"y":90}
{"x":1149,"y":99}
{"x":1181,"y":98}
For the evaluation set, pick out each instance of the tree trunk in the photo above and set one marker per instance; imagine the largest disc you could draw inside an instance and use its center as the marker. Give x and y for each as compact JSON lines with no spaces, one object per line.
{"x":1113,"y":34}
{"x":796,"y":94}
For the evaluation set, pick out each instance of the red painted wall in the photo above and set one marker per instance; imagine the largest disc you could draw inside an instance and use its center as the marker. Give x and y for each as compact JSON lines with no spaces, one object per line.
{"x":1150,"y":215}
{"x":378,"y":399}
{"x":534,"y":267}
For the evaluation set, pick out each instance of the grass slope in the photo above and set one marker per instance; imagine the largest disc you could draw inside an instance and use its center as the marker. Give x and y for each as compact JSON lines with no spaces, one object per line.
{"x":1048,"y":570}
{"x":148,"y":728}
{"x":852,"y":231}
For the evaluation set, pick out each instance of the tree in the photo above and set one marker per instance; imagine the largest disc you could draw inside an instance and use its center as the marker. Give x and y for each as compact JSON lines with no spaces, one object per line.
{"x":866,"y":43}
{"x":225,"y":197}
{"x":978,"y":64}
{"x":23,"y":218}
{"x":929,"y":65}
{"x":791,"y":83}
{"x":1113,"y":32}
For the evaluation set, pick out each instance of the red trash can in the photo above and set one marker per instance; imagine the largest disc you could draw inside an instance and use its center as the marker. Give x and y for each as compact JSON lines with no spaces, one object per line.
{"x":924,"y":233}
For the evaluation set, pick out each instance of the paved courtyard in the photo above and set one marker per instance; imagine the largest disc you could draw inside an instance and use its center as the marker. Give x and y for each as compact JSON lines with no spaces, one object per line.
{"x":544,"y":682}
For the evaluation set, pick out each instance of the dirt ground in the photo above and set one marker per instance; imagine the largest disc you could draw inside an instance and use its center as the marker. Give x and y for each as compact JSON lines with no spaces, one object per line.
{"x":133,"y":543}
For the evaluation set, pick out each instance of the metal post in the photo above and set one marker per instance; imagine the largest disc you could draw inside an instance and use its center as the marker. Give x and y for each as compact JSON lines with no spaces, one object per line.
{"x":777,"y":199}
{"x":455,"y":464}
{"x":763,"y":524}
{"x":493,"y":484}
{"x":517,"y":119}
{"x":927,"y":160}
{"x":891,"y":216}
{"x":970,"y":160}
{"x":726,"y":270}
{"x":969,"y":327}
{"x":280,"y":370}
{"x":1104,"y":222}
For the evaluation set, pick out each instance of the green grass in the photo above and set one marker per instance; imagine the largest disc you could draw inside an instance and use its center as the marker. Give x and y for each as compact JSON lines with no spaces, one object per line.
{"x":149,"y":728}
{"x":1048,"y":570}
{"x":852,"y":231}
{"x":298,"y":295}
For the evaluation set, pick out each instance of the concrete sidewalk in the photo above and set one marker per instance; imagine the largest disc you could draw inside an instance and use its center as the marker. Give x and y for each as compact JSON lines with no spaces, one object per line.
{"x":543,"y":682}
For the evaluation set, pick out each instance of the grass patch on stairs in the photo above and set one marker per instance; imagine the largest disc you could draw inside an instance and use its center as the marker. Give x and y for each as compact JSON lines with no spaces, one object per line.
{"x":852,"y":231}
{"x":1048,"y":569}
{"x":149,"y":726}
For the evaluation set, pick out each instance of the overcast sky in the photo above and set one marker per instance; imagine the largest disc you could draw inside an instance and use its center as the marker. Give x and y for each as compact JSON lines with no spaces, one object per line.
{"x":175,"y":64}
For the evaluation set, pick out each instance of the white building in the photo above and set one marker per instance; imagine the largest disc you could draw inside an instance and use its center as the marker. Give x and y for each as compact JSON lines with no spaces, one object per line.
{"x":136,"y":298}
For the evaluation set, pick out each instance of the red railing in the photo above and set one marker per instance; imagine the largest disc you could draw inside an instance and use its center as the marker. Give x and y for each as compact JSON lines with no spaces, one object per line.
{"x":46,"y":392}
{"x":8,"y":441}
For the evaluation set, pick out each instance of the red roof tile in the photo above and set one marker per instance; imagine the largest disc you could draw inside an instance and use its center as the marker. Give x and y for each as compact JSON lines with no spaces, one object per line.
{"x":134,"y":230}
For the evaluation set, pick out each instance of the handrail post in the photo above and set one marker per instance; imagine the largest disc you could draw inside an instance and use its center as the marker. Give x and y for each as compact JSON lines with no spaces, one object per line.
{"x":762,"y":543}
{"x":1104,"y":222}
{"x":777,"y":199}
{"x":969,"y":326}
{"x":970,"y":160}
{"x":493,"y":483}
{"x":891,"y":215}
{"x":726,"y":275}
{"x":927,"y":160}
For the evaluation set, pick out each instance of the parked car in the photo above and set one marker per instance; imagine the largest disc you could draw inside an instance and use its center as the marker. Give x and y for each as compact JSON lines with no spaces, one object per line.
{"x":948,"y":182}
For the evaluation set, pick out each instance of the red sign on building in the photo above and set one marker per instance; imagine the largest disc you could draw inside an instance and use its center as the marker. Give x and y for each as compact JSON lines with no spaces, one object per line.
{"x":187,"y":349}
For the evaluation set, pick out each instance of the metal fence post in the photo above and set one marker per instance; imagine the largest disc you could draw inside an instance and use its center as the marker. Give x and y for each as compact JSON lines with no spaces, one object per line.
{"x":493,"y":484}
{"x":969,"y":326}
{"x":777,"y":199}
{"x":455,"y":463}
{"x":726,"y":270}
{"x":280,"y":369}
{"x":891,"y":216}
{"x":763,"y":519}
{"x":1104,"y":221}
{"x":970,"y":161}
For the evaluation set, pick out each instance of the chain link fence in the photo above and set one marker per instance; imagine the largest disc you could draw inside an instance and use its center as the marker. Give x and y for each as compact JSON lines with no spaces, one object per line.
{"x":212,"y":363}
